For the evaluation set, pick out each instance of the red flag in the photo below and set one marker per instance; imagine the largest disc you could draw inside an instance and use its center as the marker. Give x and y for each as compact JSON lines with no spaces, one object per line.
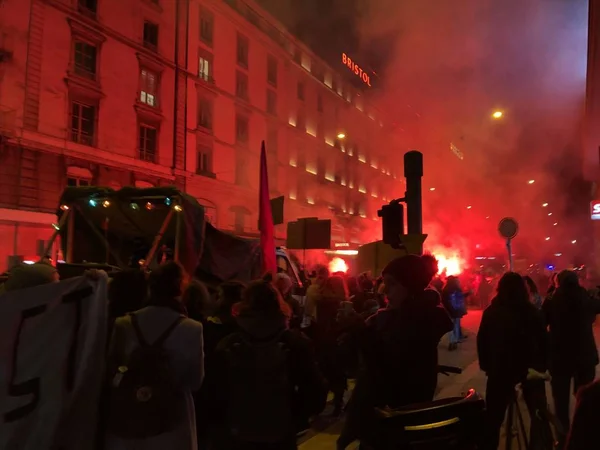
{"x":265,"y":218}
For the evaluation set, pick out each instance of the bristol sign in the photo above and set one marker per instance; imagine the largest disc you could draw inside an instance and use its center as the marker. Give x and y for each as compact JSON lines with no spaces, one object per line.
{"x":358,"y":71}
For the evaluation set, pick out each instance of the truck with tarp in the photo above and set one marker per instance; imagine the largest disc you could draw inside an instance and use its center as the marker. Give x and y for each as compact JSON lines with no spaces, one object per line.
{"x":132,"y":228}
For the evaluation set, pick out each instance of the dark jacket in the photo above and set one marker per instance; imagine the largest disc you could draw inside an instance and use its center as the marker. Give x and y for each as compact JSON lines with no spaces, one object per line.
{"x":206,"y":400}
{"x":399,"y":348}
{"x":569,"y":315}
{"x":447,"y":302}
{"x":308,"y":390}
{"x":511,"y":339}
{"x":584,"y":429}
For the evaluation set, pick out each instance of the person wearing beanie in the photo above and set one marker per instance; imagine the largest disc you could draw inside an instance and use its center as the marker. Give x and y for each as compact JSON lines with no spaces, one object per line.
{"x":399,"y":348}
{"x":26,"y":276}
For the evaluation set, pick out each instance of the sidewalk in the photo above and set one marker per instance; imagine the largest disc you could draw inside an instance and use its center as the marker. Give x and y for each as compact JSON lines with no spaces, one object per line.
{"x":465,"y":357}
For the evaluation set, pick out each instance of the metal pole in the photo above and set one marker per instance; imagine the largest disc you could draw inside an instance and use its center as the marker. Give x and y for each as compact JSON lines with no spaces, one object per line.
{"x":510,"y":258}
{"x":157,"y":239}
{"x":70,"y":237}
{"x":177,"y":236}
{"x":61,"y":223}
{"x":102,"y":238}
{"x":413,"y":172}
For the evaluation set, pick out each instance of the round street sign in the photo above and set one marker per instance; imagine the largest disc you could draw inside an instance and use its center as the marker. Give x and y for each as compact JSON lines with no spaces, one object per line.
{"x":508,"y":228}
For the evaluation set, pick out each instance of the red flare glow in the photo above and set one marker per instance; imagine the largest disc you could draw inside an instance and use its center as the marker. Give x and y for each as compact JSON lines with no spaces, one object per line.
{"x":338,"y":265}
{"x":449,"y":262}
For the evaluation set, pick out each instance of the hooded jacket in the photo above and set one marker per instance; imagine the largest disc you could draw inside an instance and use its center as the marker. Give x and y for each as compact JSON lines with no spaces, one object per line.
{"x":569,"y":314}
{"x":308,"y":390}
{"x":511,"y":339}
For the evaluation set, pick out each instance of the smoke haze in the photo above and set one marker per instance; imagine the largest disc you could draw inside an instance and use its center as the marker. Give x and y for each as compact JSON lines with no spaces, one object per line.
{"x":450,"y":65}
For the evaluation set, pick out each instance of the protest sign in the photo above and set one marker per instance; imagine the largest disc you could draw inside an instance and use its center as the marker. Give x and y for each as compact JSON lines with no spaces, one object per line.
{"x":52,"y":348}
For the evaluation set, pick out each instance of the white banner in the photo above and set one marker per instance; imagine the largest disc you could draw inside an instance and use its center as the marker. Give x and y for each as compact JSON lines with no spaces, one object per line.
{"x":52,"y":348}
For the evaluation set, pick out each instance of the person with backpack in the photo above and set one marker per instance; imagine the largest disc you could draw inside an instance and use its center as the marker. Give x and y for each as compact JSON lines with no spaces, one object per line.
{"x":269,"y":380}
{"x":155,"y":362}
{"x":453,"y":300}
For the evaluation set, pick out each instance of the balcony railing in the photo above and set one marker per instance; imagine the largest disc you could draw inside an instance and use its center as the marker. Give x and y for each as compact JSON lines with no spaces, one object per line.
{"x":8,"y":121}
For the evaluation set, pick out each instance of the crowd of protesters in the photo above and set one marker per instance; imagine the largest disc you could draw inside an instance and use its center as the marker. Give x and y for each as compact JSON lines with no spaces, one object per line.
{"x":248,"y":366}
{"x":526,"y":340}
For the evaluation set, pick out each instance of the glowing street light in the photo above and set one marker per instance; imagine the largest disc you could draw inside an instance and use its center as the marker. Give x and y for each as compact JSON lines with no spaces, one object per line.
{"x":544,"y":205}
{"x":487,"y":217}
{"x":555,"y":223}
{"x":574,"y":241}
{"x":548,"y":238}
{"x":497,"y":114}
{"x":531,"y":181}
{"x":432,"y":189}
{"x":341,"y":135}
{"x":549,"y":214}
{"x":469,"y":207}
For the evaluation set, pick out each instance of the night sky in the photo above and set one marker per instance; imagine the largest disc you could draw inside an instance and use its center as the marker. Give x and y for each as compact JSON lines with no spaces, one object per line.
{"x":330,"y":27}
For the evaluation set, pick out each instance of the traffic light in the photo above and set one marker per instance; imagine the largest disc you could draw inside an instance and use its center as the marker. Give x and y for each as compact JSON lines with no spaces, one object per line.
{"x":392,"y":221}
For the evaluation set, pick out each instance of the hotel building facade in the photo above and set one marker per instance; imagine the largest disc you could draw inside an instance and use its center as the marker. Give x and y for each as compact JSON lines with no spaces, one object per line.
{"x":160,"y":92}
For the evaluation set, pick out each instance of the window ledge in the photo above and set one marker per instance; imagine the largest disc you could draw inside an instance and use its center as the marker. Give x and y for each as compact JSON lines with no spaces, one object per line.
{"x":204,"y":130}
{"x":85,"y":27}
{"x":151,"y":60}
{"x":154,"y":5}
{"x":83,"y":86}
{"x":150,"y":113}
{"x":207,"y":85}
{"x":244,"y":105}
{"x":207,"y":174}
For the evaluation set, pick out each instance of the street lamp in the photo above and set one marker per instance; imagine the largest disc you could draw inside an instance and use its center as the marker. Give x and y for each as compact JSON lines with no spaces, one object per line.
{"x":341,"y":135}
{"x":531,"y":181}
{"x":497,"y":114}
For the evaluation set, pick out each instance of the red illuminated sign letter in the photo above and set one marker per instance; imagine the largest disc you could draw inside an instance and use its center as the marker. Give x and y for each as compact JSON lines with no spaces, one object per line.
{"x":364,"y":76}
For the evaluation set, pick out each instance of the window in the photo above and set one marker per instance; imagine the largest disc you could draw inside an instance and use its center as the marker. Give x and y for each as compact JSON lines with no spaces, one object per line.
{"x":204,"y":160}
{"x":77,"y":182}
{"x":85,"y":58}
{"x":271,"y":102}
{"x":148,"y":144}
{"x":205,"y":113}
{"x":240,"y":170}
{"x":301,"y":121}
{"x":148,"y":87}
{"x":241,"y":85}
{"x":242,"y":51}
{"x":151,"y":35}
{"x":272,"y":142}
{"x":241,"y":129}
{"x":272,"y":70}
{"x":205,"y":66}
{"x":83,"y":123}
{"x":88,"y":7}
{"x":239,"y":221}
{"x":300,"y":91}
{"x":321,"y":167}
{"x":207,"y":20}
{"x":319,"y":103}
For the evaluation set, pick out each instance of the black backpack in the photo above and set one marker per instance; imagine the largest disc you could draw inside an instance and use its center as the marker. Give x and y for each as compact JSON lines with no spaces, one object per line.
{"x":260,"y":390}
{"x":144,"y":398}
